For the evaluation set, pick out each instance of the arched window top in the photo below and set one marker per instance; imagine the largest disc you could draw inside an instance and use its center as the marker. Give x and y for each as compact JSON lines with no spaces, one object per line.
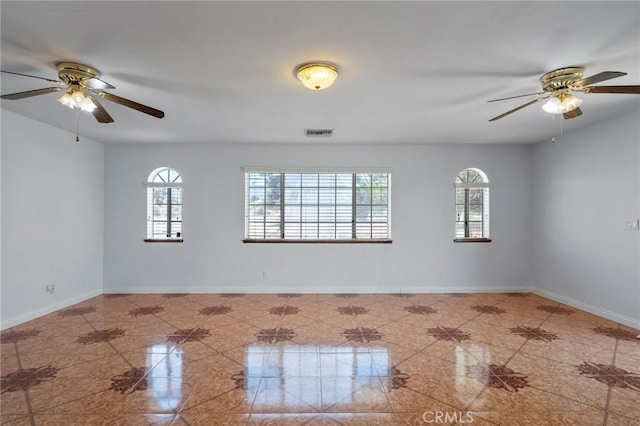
{"x":164,"y":175}
{"x":472,"y":176}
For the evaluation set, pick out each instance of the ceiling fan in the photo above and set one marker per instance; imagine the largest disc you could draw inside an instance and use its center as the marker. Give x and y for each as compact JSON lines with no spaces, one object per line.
{"x":82,"y":87}
{"x":558,"y":87}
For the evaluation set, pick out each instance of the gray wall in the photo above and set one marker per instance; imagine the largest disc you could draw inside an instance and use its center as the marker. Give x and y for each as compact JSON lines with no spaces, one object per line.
{"x":585,"y":187}
{"x":213,"y":257}
{"x":52,"y":218}
{"x":557,"y":219}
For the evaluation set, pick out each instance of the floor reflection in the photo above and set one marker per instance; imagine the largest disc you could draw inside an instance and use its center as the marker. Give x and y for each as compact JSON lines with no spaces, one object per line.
{"x":295,"y":375}
{"x":468,"y":388}
{"x":165,"y":377}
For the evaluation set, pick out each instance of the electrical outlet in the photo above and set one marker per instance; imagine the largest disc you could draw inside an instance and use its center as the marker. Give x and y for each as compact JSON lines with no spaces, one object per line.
{"x":631,"y":225}
{"x":265,"y":275}
{"x":50,"y":288}
{"x":438,"y":275}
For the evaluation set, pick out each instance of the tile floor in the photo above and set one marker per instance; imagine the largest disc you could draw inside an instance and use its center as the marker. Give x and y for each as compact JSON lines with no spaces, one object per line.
{"x":387,"y":359}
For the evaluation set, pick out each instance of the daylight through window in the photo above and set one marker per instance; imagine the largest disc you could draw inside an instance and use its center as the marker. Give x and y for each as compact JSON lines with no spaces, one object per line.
{"x":164,"y":205}
{"x":472,"y":205}
{"x":317,"y":206}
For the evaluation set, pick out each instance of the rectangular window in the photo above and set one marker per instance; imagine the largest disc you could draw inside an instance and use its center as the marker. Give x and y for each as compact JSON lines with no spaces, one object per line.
{"x":317,"y":206}
{"x":164,"y":213}
{"x":472,"y":213}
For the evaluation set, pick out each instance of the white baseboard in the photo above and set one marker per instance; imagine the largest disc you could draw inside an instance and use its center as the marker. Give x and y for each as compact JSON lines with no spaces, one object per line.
{"x":36,"y":313}
{"x":622,"y":319}
{"x":317,"y":290}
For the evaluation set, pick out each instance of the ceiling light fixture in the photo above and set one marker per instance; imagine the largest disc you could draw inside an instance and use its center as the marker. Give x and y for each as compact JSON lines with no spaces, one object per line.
{"x":76,"y":99}
{"x":562,"y":104}
{"x":317,"y":76}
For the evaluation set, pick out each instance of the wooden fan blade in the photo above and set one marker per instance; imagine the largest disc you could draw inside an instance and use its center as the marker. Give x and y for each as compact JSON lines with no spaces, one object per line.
{"x":632,"y":90}
{"x":32,"y":76}
{"x":518,"y":108}
{"x":572,"y":114}
{"x":514,"y":97}
{"x":100,"y":113}
{"x":597,"y":78}
{"x":131,"y":104}
{"x":29,"y":93}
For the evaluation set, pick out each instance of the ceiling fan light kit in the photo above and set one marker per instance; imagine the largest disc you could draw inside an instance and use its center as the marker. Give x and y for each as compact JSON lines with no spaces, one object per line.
{"x":562,"y":104}
{"x":317,"y":76}
{"x":82,"y":86}
{"x":77,"y":100}
{"x":558,"y":87}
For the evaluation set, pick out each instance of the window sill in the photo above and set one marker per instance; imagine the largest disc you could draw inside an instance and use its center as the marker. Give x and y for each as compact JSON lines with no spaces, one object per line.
{"x":472,"y":240}
{"x":167,"y":240}
{"x":378,"y":241}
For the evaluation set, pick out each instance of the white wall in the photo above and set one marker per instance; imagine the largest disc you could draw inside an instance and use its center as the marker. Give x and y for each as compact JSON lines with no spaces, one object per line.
{"x":52,"y":218}
{"x":213,"y":257}
{"x":586,"y":187}
{"x":558,"y":213}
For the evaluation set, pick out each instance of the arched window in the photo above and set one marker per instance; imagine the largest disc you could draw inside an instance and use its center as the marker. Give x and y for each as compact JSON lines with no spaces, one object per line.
{"x":472,"y":206}
{"x":164,"y":205}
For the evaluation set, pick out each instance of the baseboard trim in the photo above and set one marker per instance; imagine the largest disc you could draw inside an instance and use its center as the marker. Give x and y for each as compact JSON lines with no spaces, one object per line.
{"x":36,"y":313}
{"x":622,"y":319}
{"x":322,"y":290}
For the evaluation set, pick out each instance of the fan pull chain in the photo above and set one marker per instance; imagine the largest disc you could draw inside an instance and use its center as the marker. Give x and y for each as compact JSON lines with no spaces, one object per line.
{"x":77,"y":125}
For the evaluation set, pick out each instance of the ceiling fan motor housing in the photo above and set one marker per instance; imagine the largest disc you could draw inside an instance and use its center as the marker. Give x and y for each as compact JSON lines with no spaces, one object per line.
{"x":561,"y":79}
{"x":73,"y":72}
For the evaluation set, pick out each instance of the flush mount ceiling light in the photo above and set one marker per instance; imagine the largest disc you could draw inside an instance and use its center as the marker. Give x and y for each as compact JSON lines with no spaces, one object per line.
{"x":317,"y":76}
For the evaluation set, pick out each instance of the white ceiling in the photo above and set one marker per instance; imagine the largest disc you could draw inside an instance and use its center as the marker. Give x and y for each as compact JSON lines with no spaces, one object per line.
{"x":410,"y":72}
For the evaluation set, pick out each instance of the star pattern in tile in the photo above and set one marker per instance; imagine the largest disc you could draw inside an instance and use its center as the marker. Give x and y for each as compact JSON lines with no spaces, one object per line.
{"x":420,"y":310}
{"x":12,"y":336}
{"x":226,"y":359}
{"x":448,"y":333}
{"x":488,"y":309}
{"x":362,"y":334}
{"x":398,"y":378}
{"x":555,"y":309}
{"x":24,"y":379}
{"x":498,"y":376}
{"x":610,"y":375}
{"x":533,"y":333}
{"x":188,"y":335}
{"x":101,"y":336}
{"x":275,"y":335}
{"x":352,"y":310}
{"x":130,"y":381}
{"x":617,"y":333}
{"x":215,"y":310}
{"x":284,"y":310}
{"x":146,"y":310}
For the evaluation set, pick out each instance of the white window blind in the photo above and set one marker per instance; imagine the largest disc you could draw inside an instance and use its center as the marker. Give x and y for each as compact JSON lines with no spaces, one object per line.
{"x":164,"y":205}
{"x":472,"y":205}
{"x":317,"y":205}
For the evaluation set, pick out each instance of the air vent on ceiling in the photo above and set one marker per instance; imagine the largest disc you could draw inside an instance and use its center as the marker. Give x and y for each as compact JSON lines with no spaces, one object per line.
{"x":318,"y":132}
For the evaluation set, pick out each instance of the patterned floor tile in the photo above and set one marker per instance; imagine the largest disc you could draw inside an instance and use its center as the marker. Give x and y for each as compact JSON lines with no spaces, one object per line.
{"x":320,"y":359}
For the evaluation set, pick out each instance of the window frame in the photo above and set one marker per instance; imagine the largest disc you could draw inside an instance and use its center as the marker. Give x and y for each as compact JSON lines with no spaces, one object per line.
{"x":282,"y":211}
{"x":483,"y":185}
{"x":151,"y":184}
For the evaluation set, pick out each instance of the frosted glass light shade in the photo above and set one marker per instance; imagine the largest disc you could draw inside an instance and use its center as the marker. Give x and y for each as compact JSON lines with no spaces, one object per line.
{"x":77,"y":99}
{"x":560,"y":105}
{"x":317,"y":76}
